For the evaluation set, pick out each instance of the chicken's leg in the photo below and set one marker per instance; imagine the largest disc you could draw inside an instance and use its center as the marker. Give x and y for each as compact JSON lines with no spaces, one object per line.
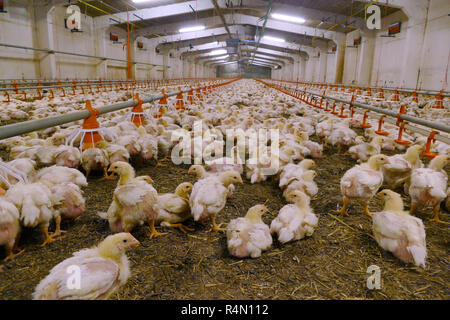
{"x":179,"y":226}
{"x":215,"y":227}
{"x":366,"y":209}
{"x":159,"y":164}
{"x":166,"y":157}
{"x":153,"y":232}
{"x":58,"y":230}
{"x":88,"y":171}
{"x":343,"y":210}
{"x":106,"y":176}
{"x":436,"y":215}
{"x":413,"y":208}
{"x":9,"y":252}
{"x":48,"y":238}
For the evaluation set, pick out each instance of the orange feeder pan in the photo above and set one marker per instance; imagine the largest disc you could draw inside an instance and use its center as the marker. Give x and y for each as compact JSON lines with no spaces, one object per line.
{"x":365,"y":125}
{"x":427,"y":153}
{"x":380,"y":127}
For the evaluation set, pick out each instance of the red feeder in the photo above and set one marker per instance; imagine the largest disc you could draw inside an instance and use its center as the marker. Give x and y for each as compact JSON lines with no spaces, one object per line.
{"x":342,"y":115}
{"x":91,"y":136}
{"x":427,"y":153}
{"x":415,"y":98}
{"x":380,"y":127}
{"x":7,"y":97}
{"x":333,"y":111}
{"x":180,"y":101}
{"x":400,"y":133}
{"x":395,"y":96}
{"x":365,"y":125}
{"x":439,"y":103}
{"x":380,"y":94}
{"x":137,"y":113}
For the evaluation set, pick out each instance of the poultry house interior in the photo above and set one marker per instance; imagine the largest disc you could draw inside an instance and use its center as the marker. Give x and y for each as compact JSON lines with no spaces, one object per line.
{"x":224,"y":150}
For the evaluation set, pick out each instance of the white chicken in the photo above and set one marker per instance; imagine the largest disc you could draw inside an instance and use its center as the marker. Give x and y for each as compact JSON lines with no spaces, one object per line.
{"x":9,"y":227}
{"x":173,"y":208}
{"x":428,"y":186}
{"x":400,"y":166}
{"x":249,"y":235}
{"x":397,"y":231}
{"x":133,"y":201}
{"x":295,"y":221}
{"x":294,"y":171}
{"x":33,"y":200}
{"x":209,"y":197}
{"x":362,"y":182}
{"x":102,"y":269}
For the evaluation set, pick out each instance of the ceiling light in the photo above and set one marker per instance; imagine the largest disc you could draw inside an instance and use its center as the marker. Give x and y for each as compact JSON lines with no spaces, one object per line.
{"x":217,"y":52}
{"x":288,"y":18}
{"x":273,"y":39}
{"x":190,"y":29}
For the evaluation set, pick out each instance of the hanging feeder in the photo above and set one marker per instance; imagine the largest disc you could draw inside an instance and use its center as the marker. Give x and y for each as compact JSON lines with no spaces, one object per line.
{"x":427,"y":153}
{"x":380,"y":127}
{"x":365,"y":125}
{"x":90,"y":132}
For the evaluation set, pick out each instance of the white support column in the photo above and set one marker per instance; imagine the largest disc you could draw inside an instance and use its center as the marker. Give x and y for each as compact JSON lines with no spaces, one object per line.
{"x":340,"y":41}
{"x":45,"y":40}
{"x":100,"y":51}
{"x":366,"y":58}
{"x":417,"y":11}
{"x":323,"y":65}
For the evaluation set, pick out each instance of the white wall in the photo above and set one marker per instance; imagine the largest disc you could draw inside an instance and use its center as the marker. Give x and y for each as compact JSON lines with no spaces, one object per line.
{"x":19,"y":27}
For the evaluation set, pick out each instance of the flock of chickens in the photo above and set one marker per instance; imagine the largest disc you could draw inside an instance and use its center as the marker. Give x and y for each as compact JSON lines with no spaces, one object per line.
{"x":42,"y":181}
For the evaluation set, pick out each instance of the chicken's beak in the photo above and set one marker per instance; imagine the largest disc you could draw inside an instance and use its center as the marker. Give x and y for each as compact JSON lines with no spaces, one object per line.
{"x":240,"y":180}
{"x":135,"y":242}
{"x":110,"y":169}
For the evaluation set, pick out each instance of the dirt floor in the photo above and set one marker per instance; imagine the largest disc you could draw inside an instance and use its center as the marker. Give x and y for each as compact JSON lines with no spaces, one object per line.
{"x":331,"y":264}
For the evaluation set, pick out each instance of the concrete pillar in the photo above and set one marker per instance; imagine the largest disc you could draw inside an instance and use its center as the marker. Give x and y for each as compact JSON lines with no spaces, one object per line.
{"x":340,"y":41}
{"x":45,"y":40}
{"x":302,"y":73}
{"x":366,"y":58}
{"x":323,"y":59}
{"x":417,"y":11}
{"x":132,"y":52}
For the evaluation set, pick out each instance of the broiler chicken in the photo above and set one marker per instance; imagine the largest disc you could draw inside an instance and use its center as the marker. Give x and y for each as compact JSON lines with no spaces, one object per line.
{"x":209,"y":197}
{"x":102,"y":270}
{"x":133,"y":201}
{"x":362,"y":152}
{"x":9,"y":227}
{"x":305,"y":184}
{"x":33,"y":200}
{"x":395,"y":230}
{"x":249,"y":235}
{"x":294,"y":171}
{"x":362,"y":182}
{"x":95,"y":159}
{"x":428,"y":186}
{"x":173,"y":208}
{"x":400,"y":166}
{"x":294,"y":221}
